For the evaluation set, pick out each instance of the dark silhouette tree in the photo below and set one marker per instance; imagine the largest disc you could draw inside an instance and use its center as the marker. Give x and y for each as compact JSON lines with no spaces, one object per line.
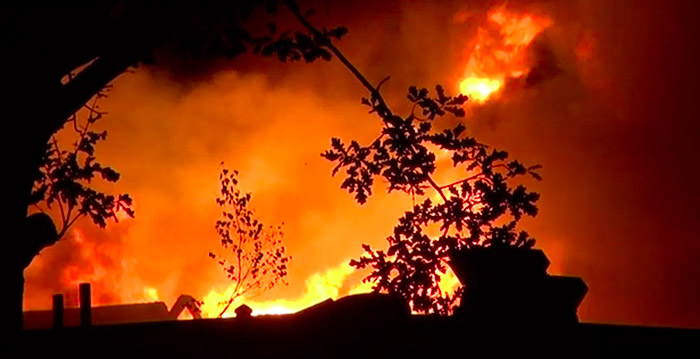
{"x":255,"y":258}
{"x":62,"y":185}
{"x":480,"y":209}
{"x":98,"y":41}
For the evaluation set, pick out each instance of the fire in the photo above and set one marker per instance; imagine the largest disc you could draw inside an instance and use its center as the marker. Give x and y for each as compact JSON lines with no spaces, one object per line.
{"x":88,"y":271}
{"x":499,"y":53}
{"x":479,"y":89}
{"x":162,"y":253}
{"x":150,"y":293}
{"x":449,"y":282}
{"x":319,"y":287}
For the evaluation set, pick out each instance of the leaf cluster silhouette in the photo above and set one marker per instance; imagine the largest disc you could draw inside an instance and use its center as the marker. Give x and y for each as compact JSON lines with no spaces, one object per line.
{"x":63,"y":55}
{"x":65,"y":176}
{"x":482,"y":208}
{"x":297,"y":45}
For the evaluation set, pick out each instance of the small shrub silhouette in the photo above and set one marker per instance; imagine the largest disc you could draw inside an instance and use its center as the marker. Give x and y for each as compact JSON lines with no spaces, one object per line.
{"x":255,"y":258}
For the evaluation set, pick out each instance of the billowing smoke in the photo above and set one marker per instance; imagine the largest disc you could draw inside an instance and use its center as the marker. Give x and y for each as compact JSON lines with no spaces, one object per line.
{"x":607,"y":108}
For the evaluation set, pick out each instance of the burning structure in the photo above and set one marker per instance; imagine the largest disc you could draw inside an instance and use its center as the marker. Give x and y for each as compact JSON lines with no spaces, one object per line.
{"x":562,"y":76}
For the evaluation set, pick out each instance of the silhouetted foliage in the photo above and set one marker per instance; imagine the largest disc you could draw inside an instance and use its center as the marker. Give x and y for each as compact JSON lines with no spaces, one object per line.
{"x":297,"y":45}
{"x":65,"y":175}
{"x":482,"y":208}
{"x":256,"y":259}
{"x":62,"y":55}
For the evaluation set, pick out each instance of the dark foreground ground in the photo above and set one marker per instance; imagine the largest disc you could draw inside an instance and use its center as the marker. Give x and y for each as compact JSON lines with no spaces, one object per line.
{"x":345,"y":329}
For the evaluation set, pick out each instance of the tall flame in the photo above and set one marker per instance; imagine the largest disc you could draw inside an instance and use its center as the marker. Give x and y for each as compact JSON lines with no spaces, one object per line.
{"x":319,"y":286}
{"x":499,"y":52}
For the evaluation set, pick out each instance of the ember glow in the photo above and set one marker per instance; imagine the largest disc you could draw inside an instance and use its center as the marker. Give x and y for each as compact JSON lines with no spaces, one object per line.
{"x":162,"y":253}
{"x":590,"y":124}
{"x":319,"y":287}
{"x":499,"y":52}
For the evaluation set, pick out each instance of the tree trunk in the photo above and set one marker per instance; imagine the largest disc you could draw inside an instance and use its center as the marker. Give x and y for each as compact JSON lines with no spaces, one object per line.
{"x":15,"y":194}
{"x":35,"y":104}
{"x":26,"y":124}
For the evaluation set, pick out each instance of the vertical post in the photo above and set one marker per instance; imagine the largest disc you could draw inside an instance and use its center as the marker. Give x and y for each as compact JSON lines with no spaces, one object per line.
{"x":58,"y":311}
{"x":85,"y":305}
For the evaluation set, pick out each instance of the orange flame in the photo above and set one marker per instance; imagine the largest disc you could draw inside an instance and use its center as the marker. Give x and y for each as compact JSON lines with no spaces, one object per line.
{"x":319,"y":287}
{"x":499,"y":52}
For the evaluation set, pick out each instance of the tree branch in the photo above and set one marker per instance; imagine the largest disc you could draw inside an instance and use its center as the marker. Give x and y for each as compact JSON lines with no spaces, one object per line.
{"x":89,"y":82}
{"x":327,"y":42}
{"x":436,"y":187}
{"x":463,"y":180}
{"x":374,"y":91}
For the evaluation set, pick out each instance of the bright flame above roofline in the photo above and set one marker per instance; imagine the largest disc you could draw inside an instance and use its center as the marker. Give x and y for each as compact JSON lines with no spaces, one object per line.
{"x":499,"y":52}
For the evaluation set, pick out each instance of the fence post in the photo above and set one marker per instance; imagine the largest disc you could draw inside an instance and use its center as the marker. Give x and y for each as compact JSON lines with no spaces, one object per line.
{"x":58,"y":311}
{"x":85,"y":305}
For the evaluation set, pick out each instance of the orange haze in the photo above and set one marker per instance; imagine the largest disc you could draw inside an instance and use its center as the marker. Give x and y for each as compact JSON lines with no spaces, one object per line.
{"x":598,"y":92}
{"x":499,"y":52}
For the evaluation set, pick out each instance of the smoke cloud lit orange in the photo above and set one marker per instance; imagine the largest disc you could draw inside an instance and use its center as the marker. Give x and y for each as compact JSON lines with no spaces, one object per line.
{"x":605,"y":134}
{"x":277,"y":155}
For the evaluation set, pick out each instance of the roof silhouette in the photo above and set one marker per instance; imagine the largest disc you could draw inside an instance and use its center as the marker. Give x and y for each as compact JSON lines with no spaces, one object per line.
{"x":113,"y":314}
{"x":366,"y":325}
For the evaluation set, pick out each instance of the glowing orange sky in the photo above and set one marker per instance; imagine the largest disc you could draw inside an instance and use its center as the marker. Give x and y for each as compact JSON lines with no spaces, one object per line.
{"x":589,"y":125}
